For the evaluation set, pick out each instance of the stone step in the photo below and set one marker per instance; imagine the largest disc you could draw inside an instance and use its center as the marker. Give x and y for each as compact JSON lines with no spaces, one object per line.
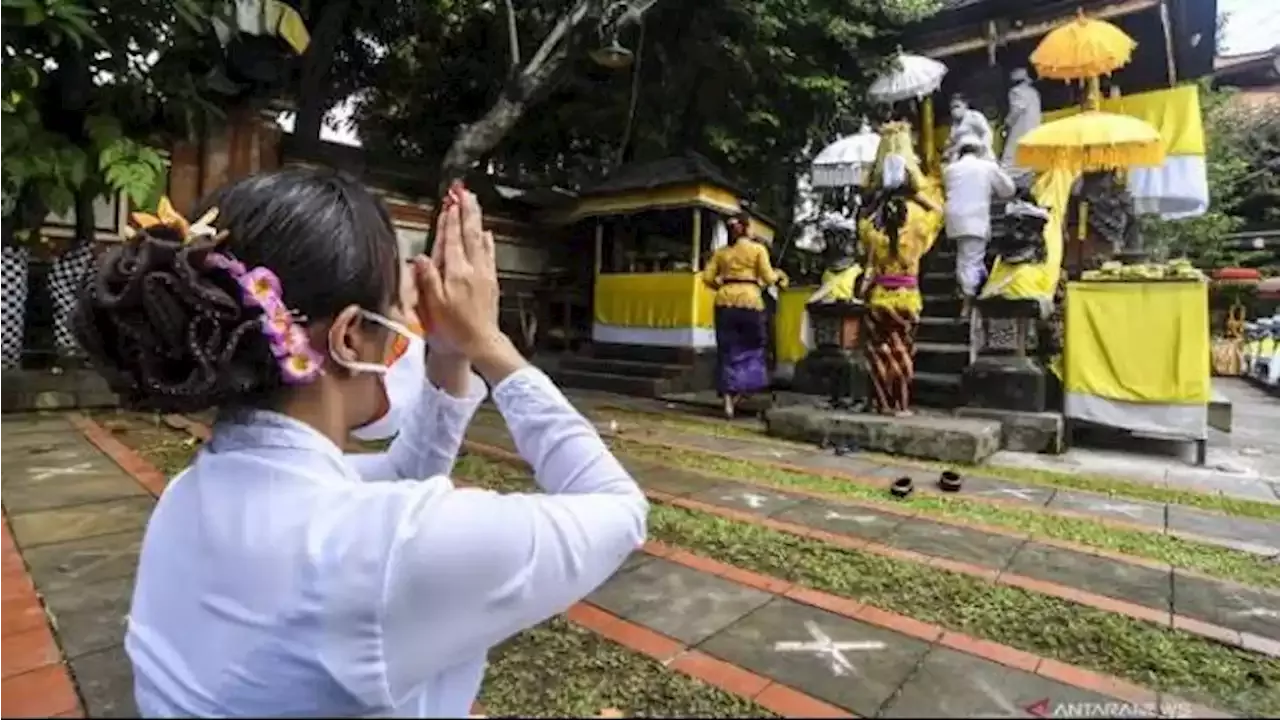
{"x":942,"y":304}
{"x":956,"y":440}
{"x":940,"y":390}
{"x":938,"y":283}
{"x":634,"y":368}
{"x":610,"y":382}
{"x":943,"y":329}
{"x":941,"y":358}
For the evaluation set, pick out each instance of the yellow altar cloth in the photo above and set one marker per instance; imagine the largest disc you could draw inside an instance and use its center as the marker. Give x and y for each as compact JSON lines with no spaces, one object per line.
{"x":788,"y":348}
{"x":1140,"y":342}
{"x":664,"y":309}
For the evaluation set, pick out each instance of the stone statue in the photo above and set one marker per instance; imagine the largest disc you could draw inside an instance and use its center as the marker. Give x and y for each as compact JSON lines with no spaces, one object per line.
{"x":831,"y":322}
{"x":1023,"y":239}
{"x":1111,"y":214}
{"x":967,"y":121}
{"x":1024,"y":115}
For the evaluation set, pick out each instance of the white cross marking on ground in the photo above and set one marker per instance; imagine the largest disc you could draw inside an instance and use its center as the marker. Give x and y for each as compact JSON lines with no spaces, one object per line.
{"x":753,"y":500}
{"x":824,"y":647}
{"x":1123,"y":509}
{"x":1259,"y":612}
{"x":860,"y":519}
{"x":44,"y":473}
{"x":1020,"y":493}
{"x":1006,"y":709}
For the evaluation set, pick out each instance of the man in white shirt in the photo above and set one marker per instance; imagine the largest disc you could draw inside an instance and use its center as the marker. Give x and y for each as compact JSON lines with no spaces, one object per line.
{"x":965,"y":121}
{"x":1024,"y":115}
{"x":970,"y":182}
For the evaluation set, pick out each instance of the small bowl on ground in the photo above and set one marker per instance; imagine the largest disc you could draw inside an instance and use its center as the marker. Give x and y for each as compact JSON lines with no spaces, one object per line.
{"x":901,"y":487}
{"x":949,"y":481}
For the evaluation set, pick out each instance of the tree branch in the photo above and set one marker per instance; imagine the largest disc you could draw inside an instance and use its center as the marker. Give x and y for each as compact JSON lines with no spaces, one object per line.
{"x":547,"y":50}
{"x":513,"y":36}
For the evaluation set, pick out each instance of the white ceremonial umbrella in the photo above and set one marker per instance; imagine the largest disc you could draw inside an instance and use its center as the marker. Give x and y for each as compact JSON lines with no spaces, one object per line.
{"x":844,"y":162}
{"x":911,"y":77}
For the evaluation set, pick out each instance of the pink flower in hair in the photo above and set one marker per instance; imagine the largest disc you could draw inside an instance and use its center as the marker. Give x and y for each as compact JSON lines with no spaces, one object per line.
{"x":225,"y":262}
{"x":277,"y":324}
{"x":261,"y":287}
{"x":301,"y":367}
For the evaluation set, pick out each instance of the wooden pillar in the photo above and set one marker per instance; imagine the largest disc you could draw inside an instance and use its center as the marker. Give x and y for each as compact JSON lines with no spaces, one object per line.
{"x":926,"y":134}
{"x":184,"y":189}
{"x":697,"y":239}
{"x":1170,"y":54}
{"x":599,"y":244}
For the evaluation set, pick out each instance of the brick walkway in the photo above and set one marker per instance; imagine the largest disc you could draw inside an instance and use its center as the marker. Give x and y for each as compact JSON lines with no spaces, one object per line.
{"x":76,"y":521}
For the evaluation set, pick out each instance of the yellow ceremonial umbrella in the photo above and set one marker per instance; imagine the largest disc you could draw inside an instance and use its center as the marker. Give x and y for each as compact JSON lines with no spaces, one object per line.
{"x":1091,"y":141}
{"x":1082,"y":48}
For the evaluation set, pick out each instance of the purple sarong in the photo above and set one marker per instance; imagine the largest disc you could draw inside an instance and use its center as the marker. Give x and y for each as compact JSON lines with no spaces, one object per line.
{"x":740,"y":348}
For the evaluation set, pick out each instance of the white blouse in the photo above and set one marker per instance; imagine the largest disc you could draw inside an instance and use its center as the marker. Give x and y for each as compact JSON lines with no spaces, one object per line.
{"x":279,"y":576}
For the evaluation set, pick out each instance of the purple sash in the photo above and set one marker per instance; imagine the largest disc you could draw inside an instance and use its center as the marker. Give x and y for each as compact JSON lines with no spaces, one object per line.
{"x":896,"y":282}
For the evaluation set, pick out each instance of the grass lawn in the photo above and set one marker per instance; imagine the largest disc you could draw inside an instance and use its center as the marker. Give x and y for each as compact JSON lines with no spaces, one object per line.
{"x":1105,"y":484}
{"x":556,"y":669}
{"x":1159,"y":658}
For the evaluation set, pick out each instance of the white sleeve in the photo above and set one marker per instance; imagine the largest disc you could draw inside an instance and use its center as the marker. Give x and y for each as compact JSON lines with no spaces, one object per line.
{"x":1001,"y":184}
{"x":428,"y":443}
{"x":469,"y":568}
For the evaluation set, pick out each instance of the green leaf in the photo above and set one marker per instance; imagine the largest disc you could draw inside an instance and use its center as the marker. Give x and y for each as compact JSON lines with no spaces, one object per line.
{"x":103,"y":129}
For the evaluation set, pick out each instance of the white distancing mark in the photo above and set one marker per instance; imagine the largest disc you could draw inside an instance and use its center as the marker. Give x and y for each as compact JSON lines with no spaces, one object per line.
{"x":1024,"y":494}
{"x":44,"y":473}
{"x":1133,"y":511}
{"x":859,"y":519}
{"x":754,"y":501}
{"x":824,"y":648}
{"x":1259,"y":612}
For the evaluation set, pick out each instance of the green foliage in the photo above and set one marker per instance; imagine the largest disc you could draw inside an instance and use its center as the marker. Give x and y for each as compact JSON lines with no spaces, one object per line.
{"x":88,"y":99}
{"x":756,"y":85}
{"x":1241,"y":154}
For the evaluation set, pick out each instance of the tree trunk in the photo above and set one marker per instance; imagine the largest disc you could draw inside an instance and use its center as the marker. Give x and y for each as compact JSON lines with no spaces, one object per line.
{"x":478,"y":139}
{"x":313,"y":97}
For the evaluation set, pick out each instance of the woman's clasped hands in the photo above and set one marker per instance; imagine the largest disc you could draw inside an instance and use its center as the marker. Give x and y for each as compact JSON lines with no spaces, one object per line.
{"x":458,"y":291}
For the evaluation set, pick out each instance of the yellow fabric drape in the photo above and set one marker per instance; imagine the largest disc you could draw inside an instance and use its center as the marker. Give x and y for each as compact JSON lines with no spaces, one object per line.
{"x":652,"y":300}
{"x":1037,"y":280}
{"x":1175,"y":112}
{"x":787,"y":344}
{"x":1139,"y":342}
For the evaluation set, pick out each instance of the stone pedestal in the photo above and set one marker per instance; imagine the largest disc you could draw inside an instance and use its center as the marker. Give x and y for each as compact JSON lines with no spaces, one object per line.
{"x":1008,"y":381}
{"x":836,"y":368}
{"x":1005,"y":383}
{"x":955,"y":440}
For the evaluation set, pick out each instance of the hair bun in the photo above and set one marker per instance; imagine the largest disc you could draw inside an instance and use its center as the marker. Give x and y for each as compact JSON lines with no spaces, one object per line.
{"x":169,"y":333}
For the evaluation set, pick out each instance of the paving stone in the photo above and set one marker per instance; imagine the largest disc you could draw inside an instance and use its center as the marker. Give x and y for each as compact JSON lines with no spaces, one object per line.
{"x":47,"y":464}
{"x":105,"y":680}
{"x":843,"y":519}
{"x":100,"y":597}
{"x":654,"y":476}
{"x":20,"y":424}
{"x":955,"y":543}
{"x":997,"y":489}
{"x":1228,"y":605}
{"x":27,"y":448}
{"x":851,"y":464}
{"x":1133,"y":511}
{"x":751,"y":498}
{"x":82,"y":521}
{"x":1257,"y":536}
{"x":844,"y":662}
{"x":633,"y":561}
{"x":1114,"y":579}
{"x":953,"y":684}
{"x":677,"y":601}
{"x":69,"y":491}
{"x":87,"y":632}
{"x":75,"y":563}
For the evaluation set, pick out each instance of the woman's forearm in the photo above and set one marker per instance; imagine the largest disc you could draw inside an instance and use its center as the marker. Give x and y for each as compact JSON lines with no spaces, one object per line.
{"x":450,"y":372}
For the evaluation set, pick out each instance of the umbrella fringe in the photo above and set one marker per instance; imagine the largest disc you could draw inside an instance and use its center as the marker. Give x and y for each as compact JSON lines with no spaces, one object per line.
{"x":1092,"y":159}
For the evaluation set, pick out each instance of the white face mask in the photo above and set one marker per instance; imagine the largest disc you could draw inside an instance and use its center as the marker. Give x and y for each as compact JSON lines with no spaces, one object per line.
{"x":402,"y":380}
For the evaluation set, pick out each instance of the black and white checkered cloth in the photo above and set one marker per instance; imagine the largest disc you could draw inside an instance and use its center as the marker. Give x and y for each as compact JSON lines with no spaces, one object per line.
{"x":65,"y":276}
{"x":16,"y":264}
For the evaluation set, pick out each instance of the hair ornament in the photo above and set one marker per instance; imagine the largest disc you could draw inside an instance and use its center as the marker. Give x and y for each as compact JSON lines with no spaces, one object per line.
{"x":259,"y":288}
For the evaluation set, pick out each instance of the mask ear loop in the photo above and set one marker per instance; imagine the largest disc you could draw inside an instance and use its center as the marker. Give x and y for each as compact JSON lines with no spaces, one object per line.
{"x":376,"y":368}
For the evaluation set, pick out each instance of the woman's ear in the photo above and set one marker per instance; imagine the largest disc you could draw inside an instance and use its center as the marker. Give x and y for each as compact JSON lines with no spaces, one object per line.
{"x":344,"y":334}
